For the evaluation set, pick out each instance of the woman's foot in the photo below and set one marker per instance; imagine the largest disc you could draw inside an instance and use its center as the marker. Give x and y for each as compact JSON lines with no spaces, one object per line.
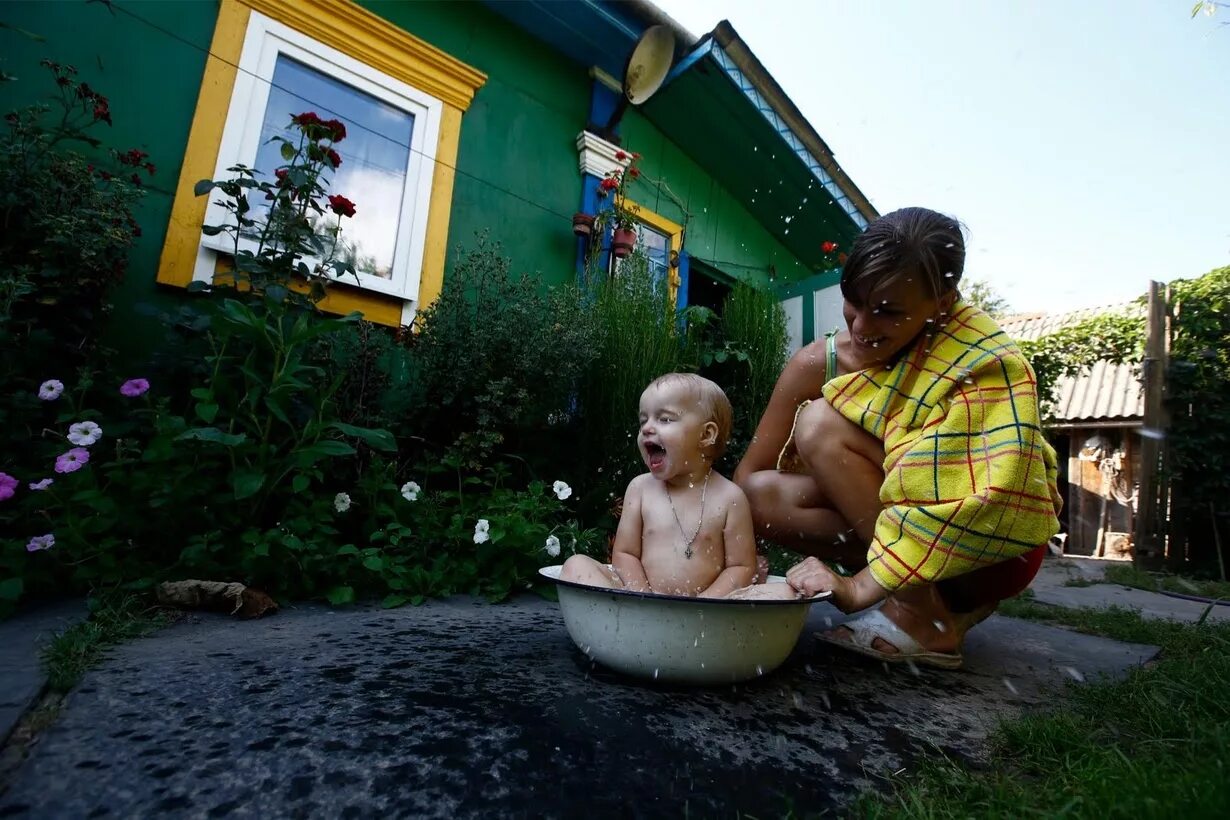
{"x":916,"y":625}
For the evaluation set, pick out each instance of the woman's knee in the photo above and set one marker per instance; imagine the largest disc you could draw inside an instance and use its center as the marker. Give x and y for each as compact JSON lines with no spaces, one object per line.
{"x":821,"y":432}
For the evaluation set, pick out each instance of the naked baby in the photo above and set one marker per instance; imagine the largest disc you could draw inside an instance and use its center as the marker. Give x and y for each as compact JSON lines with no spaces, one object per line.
{"x":685,"y":529}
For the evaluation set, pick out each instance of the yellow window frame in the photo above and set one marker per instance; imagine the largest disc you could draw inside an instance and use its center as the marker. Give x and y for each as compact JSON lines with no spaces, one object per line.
{"x":674,"y":233}
{"x":358,"y":33}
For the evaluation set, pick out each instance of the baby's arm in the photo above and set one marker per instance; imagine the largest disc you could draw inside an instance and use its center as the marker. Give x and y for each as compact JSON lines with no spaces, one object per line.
{"x":626,"y":554}
{"x":739,"y":542}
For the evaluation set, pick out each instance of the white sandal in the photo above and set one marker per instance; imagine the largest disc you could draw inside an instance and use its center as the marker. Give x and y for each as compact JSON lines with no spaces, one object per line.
{"x":864,"y":629}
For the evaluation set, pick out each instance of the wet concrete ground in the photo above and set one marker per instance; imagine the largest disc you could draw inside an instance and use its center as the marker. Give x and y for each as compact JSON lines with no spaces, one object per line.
{"x":463,"y":709}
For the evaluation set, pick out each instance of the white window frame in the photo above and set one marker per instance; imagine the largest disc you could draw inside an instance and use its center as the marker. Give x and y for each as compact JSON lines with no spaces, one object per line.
{"x":264,"y":41}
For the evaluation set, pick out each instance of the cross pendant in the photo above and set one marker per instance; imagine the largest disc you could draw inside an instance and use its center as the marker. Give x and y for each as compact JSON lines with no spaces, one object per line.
{"x":687,"y":551}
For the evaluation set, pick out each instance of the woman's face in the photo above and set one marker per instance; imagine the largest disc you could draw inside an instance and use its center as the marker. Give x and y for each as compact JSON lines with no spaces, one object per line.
{"x":891,"y":318}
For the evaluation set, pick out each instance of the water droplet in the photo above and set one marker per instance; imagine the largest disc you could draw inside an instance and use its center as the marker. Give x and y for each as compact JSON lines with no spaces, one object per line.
{"x":1152,"y":432}
{"x":1074,"y":673}
{"x":1008,"y":685}
{"x":655,"y":673}
{"x":798,"y":701}
{"x":939,"y":625}
{"x":759,"y":669}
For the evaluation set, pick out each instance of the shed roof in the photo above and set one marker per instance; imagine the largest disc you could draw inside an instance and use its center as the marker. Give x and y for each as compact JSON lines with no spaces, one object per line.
{"x":1105,"y":394}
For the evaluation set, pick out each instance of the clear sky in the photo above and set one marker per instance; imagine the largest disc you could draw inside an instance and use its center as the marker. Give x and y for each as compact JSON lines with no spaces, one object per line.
{"x":1084,"y":143}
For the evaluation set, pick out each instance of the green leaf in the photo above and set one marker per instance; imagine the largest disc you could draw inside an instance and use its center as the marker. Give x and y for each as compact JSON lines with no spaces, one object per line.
{"x":323,"y":449}
{"x":340,"y":595}
{"x":261,"y":549}
{"x":10,"y":589}
{"x":206,"y":412}
{"x":212,"y":230}
{"x":246,"y":484}
{"x":720,"y":356}
{"x":203,"y":187}
{"x":376,"y":438}
{"x":392,"y":601}
{"x":201,"y":393}
{"x":212,"y":434}
{"x":349,"y":549}
{"x":288,"y":151}
{"x":300,"y":483}
{"x":374,"y":562}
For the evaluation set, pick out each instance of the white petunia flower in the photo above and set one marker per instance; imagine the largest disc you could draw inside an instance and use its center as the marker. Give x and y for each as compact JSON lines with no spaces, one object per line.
{"x":481,"y":531}
{"x":562,"y":490}
{"x":50,"y":390}
{"x":552,"y":546}
{"x":341,"y":502}
{"x":410,"y":491}
{"x":84,"y":433}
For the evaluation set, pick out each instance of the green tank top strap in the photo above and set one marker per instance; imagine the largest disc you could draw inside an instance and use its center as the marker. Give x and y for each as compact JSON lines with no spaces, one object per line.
{"x":830,"y":363}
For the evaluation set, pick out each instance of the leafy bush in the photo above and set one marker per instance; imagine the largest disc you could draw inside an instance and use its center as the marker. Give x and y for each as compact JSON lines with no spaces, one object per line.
{"x":497,"y":361}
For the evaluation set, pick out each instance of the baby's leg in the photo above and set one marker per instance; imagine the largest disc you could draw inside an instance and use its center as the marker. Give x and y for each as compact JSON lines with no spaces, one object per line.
{"x":776,"y":591}
{"x":581,"y":569}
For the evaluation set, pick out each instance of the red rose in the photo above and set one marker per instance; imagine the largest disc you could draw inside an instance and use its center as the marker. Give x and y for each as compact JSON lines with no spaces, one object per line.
{"x":841,"y":258}
{"x":149,"y":166}
{"x":635,"y":155}
{"x":634,"y":172}
{"x":621,"y":156}
{"x":103,"y":175}
{"x":337,"y":127}
{"x":335,"y":159}
{"x":281,"y":174}
{"x":341,"y":205}
{"x":305,"y":119}
{"x":828,"y":247}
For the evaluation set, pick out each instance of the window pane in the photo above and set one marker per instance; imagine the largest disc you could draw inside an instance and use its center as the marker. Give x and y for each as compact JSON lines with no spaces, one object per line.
{"x":656,"y":248}
{"x":375,"y":154}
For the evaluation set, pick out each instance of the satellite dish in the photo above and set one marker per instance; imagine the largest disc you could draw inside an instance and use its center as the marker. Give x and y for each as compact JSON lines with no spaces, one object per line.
{"x":649,"y":64}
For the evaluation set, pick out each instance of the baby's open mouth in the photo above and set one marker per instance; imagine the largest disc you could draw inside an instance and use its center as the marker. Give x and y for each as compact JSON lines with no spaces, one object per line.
{"x":655,"y":454}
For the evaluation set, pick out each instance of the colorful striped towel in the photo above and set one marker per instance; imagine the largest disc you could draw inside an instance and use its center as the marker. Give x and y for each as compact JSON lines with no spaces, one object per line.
{"x":969,"y":479}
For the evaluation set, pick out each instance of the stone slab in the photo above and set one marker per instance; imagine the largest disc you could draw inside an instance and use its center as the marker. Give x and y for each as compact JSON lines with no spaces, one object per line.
{"x":459,"y":708}
{"x":22,"y":638}
{"x":1050,"y":587}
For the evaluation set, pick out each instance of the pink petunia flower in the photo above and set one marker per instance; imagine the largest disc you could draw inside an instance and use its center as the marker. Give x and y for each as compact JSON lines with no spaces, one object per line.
{"x":41,"y":542}
{"x":8,"y":486}
{"x":134,"y":387}
{"x":41,"y":485}
{"x":73,"y":460}
{"x":50,"y":390}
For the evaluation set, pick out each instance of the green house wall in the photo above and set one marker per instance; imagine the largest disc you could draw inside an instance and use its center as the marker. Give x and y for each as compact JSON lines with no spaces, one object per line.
{"x":518,"y":175}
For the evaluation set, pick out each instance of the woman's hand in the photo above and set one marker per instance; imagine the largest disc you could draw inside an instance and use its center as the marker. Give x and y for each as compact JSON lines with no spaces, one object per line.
{"x":849,"y":594}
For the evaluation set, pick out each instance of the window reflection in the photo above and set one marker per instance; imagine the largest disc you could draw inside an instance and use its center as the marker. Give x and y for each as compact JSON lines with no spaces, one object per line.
{"x":375,"y":155}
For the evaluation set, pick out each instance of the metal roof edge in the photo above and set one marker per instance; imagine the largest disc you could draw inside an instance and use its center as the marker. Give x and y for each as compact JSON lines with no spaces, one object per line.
{"x":742,"y":56}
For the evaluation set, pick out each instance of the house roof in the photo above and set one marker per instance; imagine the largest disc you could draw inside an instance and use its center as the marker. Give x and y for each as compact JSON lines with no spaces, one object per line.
{"x":726,"y":111}
{"x":1106,"y":394}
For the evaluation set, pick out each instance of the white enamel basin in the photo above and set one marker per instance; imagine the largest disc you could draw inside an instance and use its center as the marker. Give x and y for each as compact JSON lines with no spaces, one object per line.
{"x":680,"y":639}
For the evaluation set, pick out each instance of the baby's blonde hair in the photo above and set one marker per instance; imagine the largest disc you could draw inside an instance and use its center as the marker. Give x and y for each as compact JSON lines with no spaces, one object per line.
{"x":712,"y":402}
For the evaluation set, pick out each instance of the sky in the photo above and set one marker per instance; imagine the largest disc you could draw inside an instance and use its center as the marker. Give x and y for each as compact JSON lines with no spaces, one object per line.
{"x":1085,"y":144}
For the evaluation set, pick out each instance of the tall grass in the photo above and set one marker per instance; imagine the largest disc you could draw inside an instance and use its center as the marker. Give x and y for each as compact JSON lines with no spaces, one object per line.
{"x":754,"y":322}
{"x":637,"y":338}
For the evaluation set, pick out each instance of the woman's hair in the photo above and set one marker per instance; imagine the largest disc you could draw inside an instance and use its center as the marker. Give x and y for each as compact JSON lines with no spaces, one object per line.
{"x":909,"y":242}
{"x":711,"y":400}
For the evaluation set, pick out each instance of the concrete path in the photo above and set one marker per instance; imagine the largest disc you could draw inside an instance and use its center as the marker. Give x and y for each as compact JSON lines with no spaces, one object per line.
{"x":21,"y":641}
{"x":1051,"y":587}
{"x":463,"y":709}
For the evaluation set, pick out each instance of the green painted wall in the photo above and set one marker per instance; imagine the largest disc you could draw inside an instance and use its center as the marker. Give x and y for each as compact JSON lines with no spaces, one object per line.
{"x":517,"y":166}
{"x":720,"y":230}
{"x":151,"y":79}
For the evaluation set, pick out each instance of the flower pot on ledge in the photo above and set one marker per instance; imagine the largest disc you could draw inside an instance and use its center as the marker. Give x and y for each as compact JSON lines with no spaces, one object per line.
{"x":623,"y":240}
{"x":582,"y":224}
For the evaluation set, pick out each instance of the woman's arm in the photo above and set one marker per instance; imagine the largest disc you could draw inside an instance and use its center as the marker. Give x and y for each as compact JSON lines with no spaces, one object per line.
{"x":801,"y":379}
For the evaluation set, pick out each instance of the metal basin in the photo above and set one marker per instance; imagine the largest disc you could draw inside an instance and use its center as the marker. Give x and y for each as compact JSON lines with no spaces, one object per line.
{"x":680,"y":639}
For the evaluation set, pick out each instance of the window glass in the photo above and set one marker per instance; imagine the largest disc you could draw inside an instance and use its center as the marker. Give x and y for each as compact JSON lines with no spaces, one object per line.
{"x":375,"y":155}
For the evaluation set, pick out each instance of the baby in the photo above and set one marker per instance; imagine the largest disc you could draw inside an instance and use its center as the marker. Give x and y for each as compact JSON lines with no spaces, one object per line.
{"x":685,"y":529}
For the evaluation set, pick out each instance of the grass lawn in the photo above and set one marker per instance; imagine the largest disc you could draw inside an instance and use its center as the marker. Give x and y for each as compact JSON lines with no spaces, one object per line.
{"x":1156,"y":744}
{"x":69,"y":654}
{"x":1130,"y":576}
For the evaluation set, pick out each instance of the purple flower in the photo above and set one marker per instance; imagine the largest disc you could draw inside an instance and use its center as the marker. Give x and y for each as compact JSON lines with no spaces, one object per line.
{"x":73,"y":460}
{"x":84,"y":433}
{"x":50,"y":390}
{"x":41,"y":485}
{"x":134,"y":387}
{"x":8,"y":486}
{"x":41,"y":542}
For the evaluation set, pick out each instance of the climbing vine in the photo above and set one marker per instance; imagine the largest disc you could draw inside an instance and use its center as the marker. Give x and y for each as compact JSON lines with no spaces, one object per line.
{"x":1115,"y":337}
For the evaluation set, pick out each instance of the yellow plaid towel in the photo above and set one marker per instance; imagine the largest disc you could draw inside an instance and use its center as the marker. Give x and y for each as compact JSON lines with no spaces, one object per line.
{"x":969,"y":479}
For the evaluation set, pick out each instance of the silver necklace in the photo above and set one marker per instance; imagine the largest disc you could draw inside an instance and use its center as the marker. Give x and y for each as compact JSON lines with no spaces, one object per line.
{"x":687,"y":542}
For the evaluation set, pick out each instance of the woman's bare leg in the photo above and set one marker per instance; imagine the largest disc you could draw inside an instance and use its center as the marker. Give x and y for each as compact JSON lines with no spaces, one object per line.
{"x":790,"y":510}
{"x":846,"y":463}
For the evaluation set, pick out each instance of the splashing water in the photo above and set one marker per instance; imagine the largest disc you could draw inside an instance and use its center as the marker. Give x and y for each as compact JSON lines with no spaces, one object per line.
{"x":1074,"y":673}
{"x":1152,"y":432}
{"x":798,"y":700}
{"x":759,"y":669}
{"x":655,"y":673}
{"x":1008,"y":685}
{"x":827,"y":703}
